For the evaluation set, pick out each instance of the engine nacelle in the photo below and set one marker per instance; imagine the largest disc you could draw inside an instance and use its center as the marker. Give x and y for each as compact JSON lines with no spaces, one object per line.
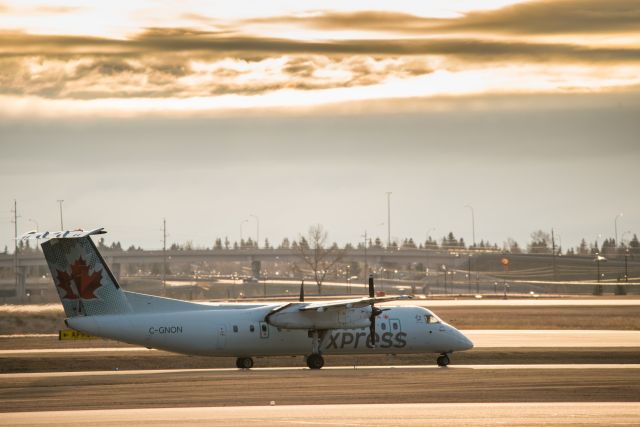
{"x":343,"y":318}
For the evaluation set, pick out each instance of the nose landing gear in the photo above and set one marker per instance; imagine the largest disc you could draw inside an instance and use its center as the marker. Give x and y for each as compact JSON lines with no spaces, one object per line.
{"x":244,"y":363}
{"x":443,"y":360}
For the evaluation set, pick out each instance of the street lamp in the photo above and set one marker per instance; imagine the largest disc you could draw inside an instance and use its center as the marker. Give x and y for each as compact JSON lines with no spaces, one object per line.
{"x":444,"y":268}
{"x":61,"y":223}
{"x":615,"y":224}
{"x":388,"y":219}
{"x":241,"y":233}
{"x":599,"y":258}
{"x":37,"y":229}
{"x":257,"y":230}
{"x":473,"y":224}
{"x":626,"y":271}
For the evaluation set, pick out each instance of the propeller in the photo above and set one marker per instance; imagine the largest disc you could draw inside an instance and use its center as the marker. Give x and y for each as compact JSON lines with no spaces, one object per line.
{"x":375,"y":312}
{"x":301,"y":299}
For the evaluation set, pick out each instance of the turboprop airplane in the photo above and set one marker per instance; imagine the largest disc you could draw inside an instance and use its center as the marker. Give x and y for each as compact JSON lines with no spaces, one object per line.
{"x":94,"y":303}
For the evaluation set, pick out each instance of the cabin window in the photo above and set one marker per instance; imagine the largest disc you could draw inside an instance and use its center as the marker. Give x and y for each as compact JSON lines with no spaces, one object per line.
{"x":264,"y":328}
{"x":235,"y":328}
{"x":431,"y":318}
{"x":395,"y":326}
{"x":383,"y":327}
{"x":252,"y":328}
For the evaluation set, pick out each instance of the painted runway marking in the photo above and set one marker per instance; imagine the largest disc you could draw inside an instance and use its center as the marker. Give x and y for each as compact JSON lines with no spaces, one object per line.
{"x":327,"y":368}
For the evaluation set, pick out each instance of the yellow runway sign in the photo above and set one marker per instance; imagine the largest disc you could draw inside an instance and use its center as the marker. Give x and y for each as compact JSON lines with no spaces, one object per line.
{"x":72,"y":334}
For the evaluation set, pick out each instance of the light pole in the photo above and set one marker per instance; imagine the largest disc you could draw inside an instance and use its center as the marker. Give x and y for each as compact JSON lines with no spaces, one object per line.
{"x":257,"y":230}
{"x":366,"y":266}
{"x":626,"y":271}
{"x":473,"y":224}
{"x":388,"y":219}
{"x":164,"y":256}
{"x":469,"y":273}
{"x":444,"y":269}
{"x":241,"y":233}
{"x":597,"y":260}
{"x":61,"y":223}
{"x":37,"y":229}
{"x":615,"y":225}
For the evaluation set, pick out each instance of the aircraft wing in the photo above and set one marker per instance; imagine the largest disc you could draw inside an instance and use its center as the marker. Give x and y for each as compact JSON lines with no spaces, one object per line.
{"x":349,"y":303}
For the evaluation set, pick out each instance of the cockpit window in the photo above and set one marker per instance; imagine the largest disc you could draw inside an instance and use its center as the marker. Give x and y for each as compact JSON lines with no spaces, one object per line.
{"x":431,"y":318}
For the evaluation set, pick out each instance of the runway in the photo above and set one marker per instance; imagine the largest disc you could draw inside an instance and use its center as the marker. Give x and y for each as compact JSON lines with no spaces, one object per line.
{"x":445,"y":414}
{"x":538,"y":375}
{"x":34,"y":375}
{"x":296,"y":386}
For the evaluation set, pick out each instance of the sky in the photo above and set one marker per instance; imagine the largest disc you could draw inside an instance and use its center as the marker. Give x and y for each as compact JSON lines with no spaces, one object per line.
{"x":212,"y":114}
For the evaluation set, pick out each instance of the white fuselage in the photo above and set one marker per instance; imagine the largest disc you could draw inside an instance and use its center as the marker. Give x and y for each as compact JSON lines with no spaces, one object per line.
{"x":243,"y":332}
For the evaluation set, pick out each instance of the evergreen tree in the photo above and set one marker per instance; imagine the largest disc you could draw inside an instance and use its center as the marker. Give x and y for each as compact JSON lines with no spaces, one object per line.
{"x":583,"y":249}
{"x":634,"y":246}
{"x":285,"y":244}
{"x":540,"y":243}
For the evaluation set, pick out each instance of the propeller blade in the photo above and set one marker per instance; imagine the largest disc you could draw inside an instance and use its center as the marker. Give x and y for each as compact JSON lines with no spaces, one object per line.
{"x":301,"y":299}
{"x":375,"y":311}
{"x":372,"y":331}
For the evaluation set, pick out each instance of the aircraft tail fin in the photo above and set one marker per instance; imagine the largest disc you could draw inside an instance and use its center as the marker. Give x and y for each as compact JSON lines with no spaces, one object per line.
{"x":82,"y":278}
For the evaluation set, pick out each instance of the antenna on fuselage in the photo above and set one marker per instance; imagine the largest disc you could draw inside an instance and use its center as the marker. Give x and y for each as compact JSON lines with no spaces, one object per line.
{"x":302,"y":291}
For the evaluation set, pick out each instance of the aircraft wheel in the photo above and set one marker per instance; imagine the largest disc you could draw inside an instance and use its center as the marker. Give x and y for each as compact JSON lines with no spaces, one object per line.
{"x":315,"y":361}
{"x":244,"y":363}
{"x":443,"y":360}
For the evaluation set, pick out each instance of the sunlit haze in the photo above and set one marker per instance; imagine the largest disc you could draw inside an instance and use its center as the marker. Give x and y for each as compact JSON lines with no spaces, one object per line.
{"x":302,"y":112}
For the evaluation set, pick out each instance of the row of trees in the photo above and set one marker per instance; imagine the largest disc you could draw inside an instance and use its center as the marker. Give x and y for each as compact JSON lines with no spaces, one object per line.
{"x":541,"y":243}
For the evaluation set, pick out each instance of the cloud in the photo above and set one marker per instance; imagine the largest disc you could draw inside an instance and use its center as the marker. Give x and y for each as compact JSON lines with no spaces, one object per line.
{"x":222,"y":59}
{"x":179,"y":41}
{"x":38,"y":10}
{"x":182,"y":77}
{"x":533,"y":18}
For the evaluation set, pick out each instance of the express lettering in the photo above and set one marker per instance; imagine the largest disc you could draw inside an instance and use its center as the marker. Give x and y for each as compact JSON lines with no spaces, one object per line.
{"x":340,"y":340}
{"x":165,"y":330}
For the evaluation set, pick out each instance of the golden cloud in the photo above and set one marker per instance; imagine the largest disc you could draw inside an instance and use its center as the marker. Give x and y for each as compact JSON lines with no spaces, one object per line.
{"x":535,"y":17}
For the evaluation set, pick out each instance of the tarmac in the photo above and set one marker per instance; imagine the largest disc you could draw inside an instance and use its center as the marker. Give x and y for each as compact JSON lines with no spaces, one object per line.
{"x":417,"y":414}
{"x":516,"y":377}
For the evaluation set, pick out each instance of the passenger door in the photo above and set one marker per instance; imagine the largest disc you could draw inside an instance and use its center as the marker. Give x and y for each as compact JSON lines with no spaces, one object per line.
{"x":394,"y":326}
{"x":264,"y":330}
{"x":221,"y":337}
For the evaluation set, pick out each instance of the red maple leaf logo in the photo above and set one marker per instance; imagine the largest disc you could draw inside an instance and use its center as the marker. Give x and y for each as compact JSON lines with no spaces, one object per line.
{"x":86,"y":283}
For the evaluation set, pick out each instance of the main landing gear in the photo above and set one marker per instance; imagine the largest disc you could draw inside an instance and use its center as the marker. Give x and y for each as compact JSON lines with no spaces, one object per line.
{"x":315,"y":359}
{"x":443,"y":360}
{"x":244,"y":363}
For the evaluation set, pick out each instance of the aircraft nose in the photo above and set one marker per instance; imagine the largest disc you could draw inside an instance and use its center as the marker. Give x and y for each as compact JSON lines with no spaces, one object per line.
{"x":466,"y":343}
{"x":462,"y":342}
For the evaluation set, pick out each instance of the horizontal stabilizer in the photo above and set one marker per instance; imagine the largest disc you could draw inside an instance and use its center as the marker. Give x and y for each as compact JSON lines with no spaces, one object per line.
{"x":65,"y":234}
